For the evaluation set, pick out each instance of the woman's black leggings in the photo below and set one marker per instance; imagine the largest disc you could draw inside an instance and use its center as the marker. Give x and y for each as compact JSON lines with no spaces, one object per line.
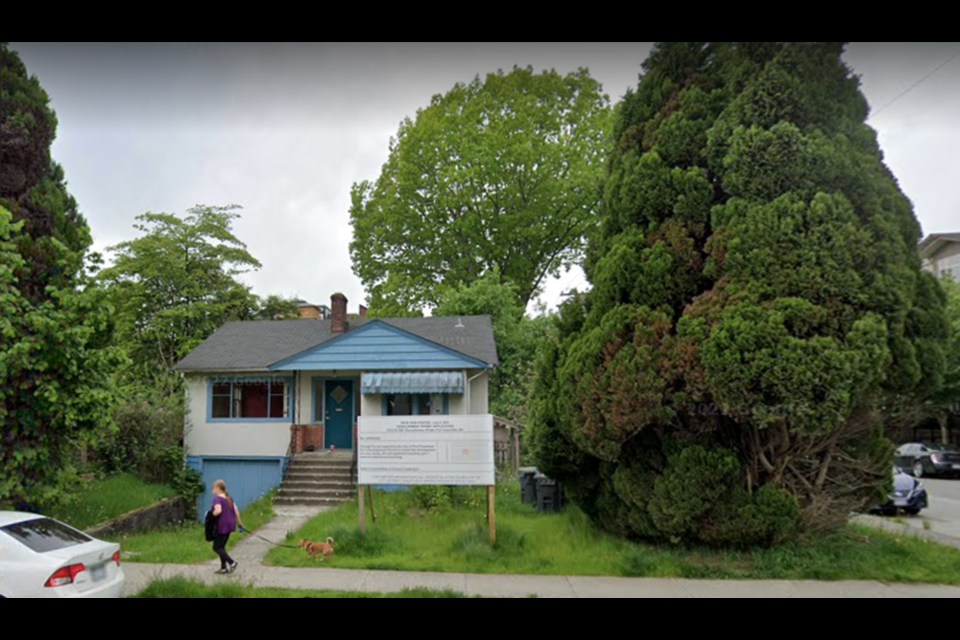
{"x":220,"y":548}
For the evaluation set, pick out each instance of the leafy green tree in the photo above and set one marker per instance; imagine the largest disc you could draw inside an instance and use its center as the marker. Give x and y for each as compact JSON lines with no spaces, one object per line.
{"x":176,"y":284}
{"x":500,"y":173}
{"x":945,"y":401}
{"x":277,"y":308}
{"x":757,"y":297}
{"x":518,"y":338}
{"x":56,"y":390}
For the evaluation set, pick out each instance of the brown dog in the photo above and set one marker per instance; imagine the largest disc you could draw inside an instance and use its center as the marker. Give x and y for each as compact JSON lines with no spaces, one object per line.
{"x":321,"y":549}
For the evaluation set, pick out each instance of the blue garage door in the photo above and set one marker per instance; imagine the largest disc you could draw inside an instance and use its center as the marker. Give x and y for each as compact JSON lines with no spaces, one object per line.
{"x":247,"y":480}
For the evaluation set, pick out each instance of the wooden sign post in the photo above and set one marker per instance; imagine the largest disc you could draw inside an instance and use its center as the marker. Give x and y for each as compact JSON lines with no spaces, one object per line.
{"x":492,"y":512}
{"x":363,"y":514}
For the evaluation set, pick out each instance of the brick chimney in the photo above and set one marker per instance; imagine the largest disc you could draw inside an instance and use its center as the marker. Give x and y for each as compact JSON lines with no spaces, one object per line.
{"x":338,"y":315}
{"x":363,"y":311}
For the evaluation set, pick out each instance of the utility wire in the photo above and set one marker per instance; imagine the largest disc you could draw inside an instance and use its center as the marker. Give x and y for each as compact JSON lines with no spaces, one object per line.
{"x":916,"y":84}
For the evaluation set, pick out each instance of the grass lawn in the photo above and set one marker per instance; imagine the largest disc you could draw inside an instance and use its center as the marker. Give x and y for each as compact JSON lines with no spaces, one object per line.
{"x":183,"y":588}
{"x":106,"y":499}
{"x":186,"y":544}
{"x":406,"y":538}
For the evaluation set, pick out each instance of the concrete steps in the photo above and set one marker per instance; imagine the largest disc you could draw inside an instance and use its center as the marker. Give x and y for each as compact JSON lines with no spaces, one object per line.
{"x":319,"y":480}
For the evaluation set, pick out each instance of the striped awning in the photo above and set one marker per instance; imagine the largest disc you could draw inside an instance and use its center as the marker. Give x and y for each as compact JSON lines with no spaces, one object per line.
{"x":413,"y":382}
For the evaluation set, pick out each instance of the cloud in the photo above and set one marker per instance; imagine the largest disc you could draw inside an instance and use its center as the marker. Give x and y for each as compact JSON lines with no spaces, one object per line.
{"x":284,"y":130}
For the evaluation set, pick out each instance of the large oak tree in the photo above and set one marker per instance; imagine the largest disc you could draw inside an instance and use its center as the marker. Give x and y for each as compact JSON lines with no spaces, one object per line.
{"x":501,"y":173}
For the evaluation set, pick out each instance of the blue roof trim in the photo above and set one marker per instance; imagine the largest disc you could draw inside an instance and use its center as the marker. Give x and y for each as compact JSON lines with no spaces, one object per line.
{"x":466,"y":360}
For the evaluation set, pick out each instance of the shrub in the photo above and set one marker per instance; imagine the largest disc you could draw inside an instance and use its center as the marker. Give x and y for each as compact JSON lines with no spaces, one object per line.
{"x":148,"y":428}
{"x":432,"y":498}
{"x":699,"y":500}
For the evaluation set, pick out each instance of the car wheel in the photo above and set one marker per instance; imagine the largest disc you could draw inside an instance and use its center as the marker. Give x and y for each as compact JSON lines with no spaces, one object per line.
{"x":918,"y":469}
{"x":912,"y":512}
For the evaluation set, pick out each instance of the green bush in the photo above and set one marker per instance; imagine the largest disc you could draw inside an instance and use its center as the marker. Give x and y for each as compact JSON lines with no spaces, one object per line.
{"x":148,"y":428}
{"x":432,"y":498}
{"x":699,"y":500}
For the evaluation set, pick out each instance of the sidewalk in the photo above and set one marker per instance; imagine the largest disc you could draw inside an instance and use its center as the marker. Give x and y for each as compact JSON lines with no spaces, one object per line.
{"x":252,"y":550}
{"x":139,"y":575}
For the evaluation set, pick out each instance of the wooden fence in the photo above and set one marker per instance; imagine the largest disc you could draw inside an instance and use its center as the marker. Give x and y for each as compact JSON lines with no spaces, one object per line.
{"x":506,"y":444}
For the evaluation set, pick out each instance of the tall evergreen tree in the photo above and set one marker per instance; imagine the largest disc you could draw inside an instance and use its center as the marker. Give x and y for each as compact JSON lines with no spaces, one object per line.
{"x":757,"y":297}
{"x":56,"y":391}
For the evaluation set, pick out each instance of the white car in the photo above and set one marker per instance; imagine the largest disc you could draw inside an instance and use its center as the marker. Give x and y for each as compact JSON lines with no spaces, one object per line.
{"x":43,"y":558}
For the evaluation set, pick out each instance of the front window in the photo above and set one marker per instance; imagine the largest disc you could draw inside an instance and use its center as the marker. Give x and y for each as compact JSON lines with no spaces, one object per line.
{"x":405,"y":404}
{"x":250,"y":400}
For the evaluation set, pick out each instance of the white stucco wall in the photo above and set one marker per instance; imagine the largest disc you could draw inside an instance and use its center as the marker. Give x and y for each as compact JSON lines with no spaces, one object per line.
{"x":947,"y":261}
{"x":371,"y":405}
{"x":479,"y":393}
{"x":271,"y":439}
{"x":204,"y":438}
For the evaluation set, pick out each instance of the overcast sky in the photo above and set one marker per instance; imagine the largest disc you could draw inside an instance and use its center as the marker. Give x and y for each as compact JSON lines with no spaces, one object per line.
{"x":285,"y":130}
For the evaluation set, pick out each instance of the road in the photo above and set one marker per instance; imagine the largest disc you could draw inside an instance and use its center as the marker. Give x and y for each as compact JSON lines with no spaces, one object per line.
{"x":943,"y":516}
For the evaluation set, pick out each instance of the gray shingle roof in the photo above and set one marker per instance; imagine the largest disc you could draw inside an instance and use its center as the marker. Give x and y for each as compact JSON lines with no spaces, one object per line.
{"x":254,"y":346}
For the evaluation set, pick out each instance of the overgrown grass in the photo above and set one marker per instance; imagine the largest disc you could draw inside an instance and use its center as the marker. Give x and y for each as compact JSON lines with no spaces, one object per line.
{"x":106,"y":499}
{"x":183,"y":588}
{"x":185,"y":544}
{"x":455,"y":540}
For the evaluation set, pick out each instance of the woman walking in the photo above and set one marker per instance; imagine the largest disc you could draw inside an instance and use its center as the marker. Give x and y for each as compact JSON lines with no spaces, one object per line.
{"x":228,"y":516}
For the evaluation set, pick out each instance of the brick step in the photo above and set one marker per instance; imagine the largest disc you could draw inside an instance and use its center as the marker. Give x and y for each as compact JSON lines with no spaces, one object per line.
{"x":309,"y":502}
{"x":316,"y":493}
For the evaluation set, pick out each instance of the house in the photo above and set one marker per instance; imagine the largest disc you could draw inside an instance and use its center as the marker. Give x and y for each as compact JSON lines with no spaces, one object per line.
{"x":262,"y":394}
{"x":941,"y":254}
{"x":314,"y":311}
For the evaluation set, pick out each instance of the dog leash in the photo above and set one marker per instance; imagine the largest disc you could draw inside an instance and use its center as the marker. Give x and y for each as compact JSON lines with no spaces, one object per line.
{"x":270,"y":542}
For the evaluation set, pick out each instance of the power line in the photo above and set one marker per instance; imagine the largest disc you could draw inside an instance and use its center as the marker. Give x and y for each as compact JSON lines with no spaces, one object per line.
{"x":917,"y":83}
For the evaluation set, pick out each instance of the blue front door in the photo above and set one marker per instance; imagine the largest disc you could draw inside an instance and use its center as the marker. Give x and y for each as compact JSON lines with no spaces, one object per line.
{"x":338,"y":409}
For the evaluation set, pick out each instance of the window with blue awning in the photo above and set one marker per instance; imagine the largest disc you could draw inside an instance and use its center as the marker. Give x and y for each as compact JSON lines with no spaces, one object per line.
{"x":413,"y":382}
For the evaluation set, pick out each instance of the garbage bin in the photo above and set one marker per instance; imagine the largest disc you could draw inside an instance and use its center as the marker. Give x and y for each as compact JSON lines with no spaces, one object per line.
{"x":528,"y":485}
{"x":548,"y":494}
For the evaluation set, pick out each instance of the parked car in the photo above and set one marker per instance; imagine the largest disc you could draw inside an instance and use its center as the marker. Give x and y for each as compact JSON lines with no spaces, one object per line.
{"x":929,"y":460}
{"x":43,"y":558}
{"x":909,"y":496}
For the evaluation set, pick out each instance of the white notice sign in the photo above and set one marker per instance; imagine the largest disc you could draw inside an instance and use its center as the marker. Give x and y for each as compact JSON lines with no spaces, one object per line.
{"x":426,"y":450}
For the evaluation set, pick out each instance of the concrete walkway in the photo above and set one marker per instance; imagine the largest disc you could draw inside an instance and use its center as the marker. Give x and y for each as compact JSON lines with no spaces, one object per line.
{"x":140,"y":575}
{"x":252,"y":550}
